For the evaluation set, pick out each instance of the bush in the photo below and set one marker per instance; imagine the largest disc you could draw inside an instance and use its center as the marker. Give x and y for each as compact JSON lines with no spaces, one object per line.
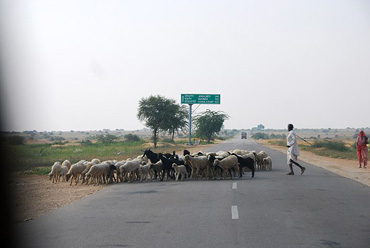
{"x":277,"y":136}
{"x":16,"y":140}
{"x":86,"y":142}
{"x":131,"y":137}
{"x":56,"y":138}
{"x":38,"y":171}
{"x":331,"y":145}
{"x":260,"y":136}
{"x":106,"y":138}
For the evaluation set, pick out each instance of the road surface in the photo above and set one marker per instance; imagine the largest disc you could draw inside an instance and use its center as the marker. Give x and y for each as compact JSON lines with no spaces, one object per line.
{"x":317,"y":209}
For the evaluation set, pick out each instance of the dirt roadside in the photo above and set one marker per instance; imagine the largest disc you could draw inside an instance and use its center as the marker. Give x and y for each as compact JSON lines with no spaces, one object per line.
{"x":36,"y":195}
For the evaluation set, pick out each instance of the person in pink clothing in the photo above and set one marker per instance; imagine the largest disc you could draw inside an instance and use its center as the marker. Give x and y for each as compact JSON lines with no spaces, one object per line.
{"x":361,"y":143}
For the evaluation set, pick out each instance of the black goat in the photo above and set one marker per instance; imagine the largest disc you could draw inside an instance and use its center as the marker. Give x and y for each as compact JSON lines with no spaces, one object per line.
{"x":245,"y":162}
{"x":186,"y":152}
{"x":167,"y":166}
{"x":154,"y":158}
{"x":110,"y":177}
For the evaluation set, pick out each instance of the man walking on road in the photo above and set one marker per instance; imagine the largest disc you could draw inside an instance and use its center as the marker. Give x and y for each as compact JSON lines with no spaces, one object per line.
{"x":293,"y":152}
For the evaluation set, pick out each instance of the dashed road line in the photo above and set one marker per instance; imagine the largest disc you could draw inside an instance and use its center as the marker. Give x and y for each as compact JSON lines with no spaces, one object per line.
{"x":235,"y":186}
{"x":234,"y":213}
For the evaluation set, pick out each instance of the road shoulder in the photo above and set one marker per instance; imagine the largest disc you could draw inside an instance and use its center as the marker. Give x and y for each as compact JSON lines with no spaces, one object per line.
{"x":342,"y":167}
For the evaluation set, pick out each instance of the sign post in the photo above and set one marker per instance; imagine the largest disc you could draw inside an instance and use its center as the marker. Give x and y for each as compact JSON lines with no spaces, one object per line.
{"x":190,"y":110}
{"x":198,"y":99}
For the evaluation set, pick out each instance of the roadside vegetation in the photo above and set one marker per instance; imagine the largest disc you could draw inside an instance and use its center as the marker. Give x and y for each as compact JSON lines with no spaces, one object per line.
{"x":28,"y":157}
{"x":344,"y":148}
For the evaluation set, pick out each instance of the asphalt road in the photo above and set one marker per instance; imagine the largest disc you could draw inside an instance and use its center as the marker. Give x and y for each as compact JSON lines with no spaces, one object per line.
{"x":317,"y":209}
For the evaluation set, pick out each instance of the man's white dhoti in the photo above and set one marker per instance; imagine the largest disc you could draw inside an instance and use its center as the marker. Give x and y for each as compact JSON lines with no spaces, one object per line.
{"x":293,"y":152}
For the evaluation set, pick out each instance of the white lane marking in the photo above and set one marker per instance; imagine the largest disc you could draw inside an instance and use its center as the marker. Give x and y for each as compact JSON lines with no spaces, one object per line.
{"x":234,"y":213}
{"x":235,"y":186}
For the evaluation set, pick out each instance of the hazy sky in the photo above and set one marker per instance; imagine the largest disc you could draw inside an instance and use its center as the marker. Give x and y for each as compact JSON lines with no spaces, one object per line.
{"x":85,"y":65}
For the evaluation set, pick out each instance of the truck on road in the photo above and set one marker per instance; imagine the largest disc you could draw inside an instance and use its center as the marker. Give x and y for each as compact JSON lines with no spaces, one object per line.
{"x":244,"y":135}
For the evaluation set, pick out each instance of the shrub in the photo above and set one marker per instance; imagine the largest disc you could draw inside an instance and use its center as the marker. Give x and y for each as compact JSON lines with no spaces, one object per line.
{"x":106,"y":138}
{"x":86,"y":142}
{"x":277,"y":136}
{"x":16,"y":140}
{"x":331,"y":145}
{"x":260,"y":135}
{"x":38,"y":171}
{"x":131,"y":137}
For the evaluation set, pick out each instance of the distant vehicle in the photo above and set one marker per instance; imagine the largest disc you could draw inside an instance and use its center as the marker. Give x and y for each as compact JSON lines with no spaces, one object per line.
{"x":244,"y":135}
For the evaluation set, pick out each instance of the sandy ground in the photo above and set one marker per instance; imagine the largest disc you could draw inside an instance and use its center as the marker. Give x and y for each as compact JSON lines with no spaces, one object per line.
{"x":37,"y":195}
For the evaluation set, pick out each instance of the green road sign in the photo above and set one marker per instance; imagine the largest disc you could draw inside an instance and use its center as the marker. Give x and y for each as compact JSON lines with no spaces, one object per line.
{"x":200,"y":98}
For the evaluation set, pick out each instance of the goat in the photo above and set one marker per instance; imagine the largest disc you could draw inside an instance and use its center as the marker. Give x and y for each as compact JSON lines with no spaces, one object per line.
{"x":244,"y":161}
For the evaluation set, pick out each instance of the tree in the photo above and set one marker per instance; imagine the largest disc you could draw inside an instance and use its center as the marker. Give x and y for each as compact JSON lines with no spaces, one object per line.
{"x":159,"y":113}
{"x":260,"y":127}
{"x":178,"y":120}
{"x":209,"y":123}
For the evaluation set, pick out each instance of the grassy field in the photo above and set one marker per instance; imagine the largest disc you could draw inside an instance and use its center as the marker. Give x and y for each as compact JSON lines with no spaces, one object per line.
{"x":38,"y":158}
{"x":35,"y":152}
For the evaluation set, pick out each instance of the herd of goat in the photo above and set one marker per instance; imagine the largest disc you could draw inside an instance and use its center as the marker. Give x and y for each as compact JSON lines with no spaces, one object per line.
{"x":153,"y":166}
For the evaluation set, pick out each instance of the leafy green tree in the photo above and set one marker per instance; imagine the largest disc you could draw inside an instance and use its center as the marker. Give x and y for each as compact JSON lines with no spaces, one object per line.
{"x":160,"y":114}
{"x":209,"y":123}
{"x":178,"y":120}
{"x":260,"y":127}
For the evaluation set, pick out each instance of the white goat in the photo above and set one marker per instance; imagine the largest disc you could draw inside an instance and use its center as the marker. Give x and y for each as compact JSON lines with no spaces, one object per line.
{"x":63,"y":173}
{"x":180,"y":170}
{"x":145,"y":171}
{"x":198,"y":165}
{"x":130,"y":168}
{"x":226,"y":164}
{"x":267,"y":163}
{"x":67,"y":164}
{"x":76,"y":170}
{"x":97,"y":173}
{"x":55,"y":172}
{"x":259,"y":157}
{"x":118,"y":170}
{"x":88,"y":166}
